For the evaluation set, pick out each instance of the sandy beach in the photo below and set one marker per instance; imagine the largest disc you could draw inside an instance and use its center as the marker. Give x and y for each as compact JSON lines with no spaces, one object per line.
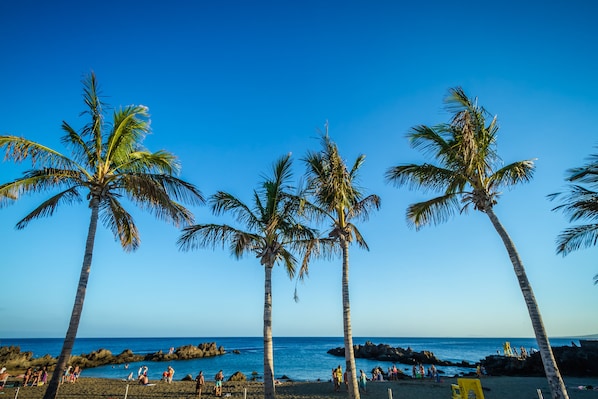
{"x":494,"y":388}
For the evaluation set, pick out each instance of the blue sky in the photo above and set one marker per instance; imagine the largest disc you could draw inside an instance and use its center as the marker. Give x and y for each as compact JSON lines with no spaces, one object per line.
{"x":231,"y":87}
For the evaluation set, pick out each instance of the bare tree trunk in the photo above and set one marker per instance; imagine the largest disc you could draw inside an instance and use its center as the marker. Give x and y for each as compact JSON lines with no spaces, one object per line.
{"x":348,"y":333}
{"x":71,"y":334}
{"x":269,"y":390}
{"x":555,"y":381}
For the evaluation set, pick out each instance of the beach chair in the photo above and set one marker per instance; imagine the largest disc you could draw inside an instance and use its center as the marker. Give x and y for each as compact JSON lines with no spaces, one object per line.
{"x":467,"y":388}
{"x":455,"y":391}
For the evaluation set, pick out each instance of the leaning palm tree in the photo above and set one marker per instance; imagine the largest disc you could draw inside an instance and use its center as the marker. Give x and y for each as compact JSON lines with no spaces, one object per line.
{"x":340,"y":201}
{"x":470,"y":173}
{"x":579,"y":202}
{"x":108,"y":163}
{"x":272,"y":230}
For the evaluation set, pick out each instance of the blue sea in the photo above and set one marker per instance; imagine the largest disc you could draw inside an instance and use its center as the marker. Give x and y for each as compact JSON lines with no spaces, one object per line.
{"x":298,"y":358}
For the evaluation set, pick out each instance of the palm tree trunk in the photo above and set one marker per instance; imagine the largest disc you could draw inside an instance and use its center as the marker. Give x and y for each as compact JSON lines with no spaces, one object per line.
{"x":349,"y":354}
{"x":555,"y":381}
{"x":269,"y":392}
{"x":71,"y":333}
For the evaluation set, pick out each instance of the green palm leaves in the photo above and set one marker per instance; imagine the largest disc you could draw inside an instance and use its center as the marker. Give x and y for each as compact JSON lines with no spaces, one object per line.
{"x":468,"y":170}
{"x":579,"y":202}
{"x":336,"y":193}
{"x":270,"y":228}
{"x":108,"y":163}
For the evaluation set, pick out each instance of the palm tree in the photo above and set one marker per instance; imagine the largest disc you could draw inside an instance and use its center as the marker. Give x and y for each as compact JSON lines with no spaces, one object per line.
{"x":580,"y":202}
{"x":336,"y":193}
{"x":108,"y":163}
{"x":272,"y":231}
{"x":469,"y":172}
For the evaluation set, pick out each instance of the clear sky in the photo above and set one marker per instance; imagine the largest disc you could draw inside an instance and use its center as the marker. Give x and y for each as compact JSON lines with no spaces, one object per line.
{"x":233,"y":85}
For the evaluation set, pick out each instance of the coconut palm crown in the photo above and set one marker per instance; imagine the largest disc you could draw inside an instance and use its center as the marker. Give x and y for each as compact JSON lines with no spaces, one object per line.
{"x":469,"y":173}
{"x":108,"y":164}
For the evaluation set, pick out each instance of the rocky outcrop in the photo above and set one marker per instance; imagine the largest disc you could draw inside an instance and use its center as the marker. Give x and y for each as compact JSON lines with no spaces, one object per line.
{"x":13,"y":358}
{"x":387,"y":353}
{"x":238,"y":376}
{"x":572,"y":361}
{"x":188,"y":352}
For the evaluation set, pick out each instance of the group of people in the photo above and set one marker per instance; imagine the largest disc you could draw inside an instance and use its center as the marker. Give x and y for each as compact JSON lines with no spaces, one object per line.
{"x":200,"y":382}
{"x":70,"y":374}
{"x":419,"y":372}
{"x":338,"y":377}
{"x":508,"y":350}
{"x":35,"y":377}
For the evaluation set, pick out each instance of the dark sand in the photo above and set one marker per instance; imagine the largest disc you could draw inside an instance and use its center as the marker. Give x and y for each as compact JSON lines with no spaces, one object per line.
{"x":493,"y":388}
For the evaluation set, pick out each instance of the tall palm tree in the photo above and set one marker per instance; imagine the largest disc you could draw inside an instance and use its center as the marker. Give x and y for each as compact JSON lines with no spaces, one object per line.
{"x":469,"y":172}
{"x":108,"y":163}
{"x":341,"y":200}
{"x":271,"y":229}
{"x":579,"y":202}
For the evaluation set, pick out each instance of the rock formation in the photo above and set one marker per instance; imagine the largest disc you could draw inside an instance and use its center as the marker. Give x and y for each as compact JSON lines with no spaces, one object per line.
{"x":12,"y":357}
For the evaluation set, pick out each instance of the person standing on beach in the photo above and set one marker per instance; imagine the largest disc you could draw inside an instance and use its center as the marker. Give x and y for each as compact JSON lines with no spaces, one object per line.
{"x":339,"y":375}
{"x":218,"y":388}
{"x":362,"y":381}
{"x":199,"y":383}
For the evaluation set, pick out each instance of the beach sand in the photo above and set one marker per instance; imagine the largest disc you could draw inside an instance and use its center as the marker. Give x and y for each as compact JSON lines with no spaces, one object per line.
{"x":493,"y":388}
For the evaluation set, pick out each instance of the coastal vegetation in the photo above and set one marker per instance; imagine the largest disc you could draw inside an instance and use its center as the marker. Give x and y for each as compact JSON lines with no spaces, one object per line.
{"x":108,"y":163}
{"x":469,"y":173}
{"x":339,"y":198}
{"x":271,"y":229}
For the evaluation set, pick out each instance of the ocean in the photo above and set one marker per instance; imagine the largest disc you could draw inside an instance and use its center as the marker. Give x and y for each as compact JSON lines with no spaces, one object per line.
{"x":298,"y":358}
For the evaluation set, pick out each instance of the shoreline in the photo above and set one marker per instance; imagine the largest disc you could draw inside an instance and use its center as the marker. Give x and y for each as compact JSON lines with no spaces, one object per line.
{"x":493,"y":388}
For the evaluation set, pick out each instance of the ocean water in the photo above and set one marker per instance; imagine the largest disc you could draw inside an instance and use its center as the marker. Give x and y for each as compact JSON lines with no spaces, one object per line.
{"x":298,"y":358}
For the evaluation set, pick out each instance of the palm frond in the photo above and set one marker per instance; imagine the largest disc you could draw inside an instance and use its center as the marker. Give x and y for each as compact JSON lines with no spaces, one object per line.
{"x":430,"y":140}
{"x":574,"y":238}
{"x":18,"y":149}
{"x":434,"y":211}
{"x":577,"y":203}
{"x":514,"y":173}
{"x":359,"y":239}
{"x":38,"y":181}
{"x":83,"y":152}
{"x":129,"y":129}
{"x":48,"y":207}
{"x":361,"y":209}
{"x":426,"y":177}
{"x":223,"y":202}
{"x":120,"y":222}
